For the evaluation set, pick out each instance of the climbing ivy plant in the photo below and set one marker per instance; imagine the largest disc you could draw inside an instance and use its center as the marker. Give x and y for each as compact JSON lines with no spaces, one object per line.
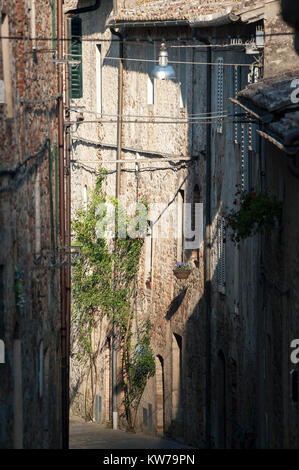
{"x":103,"y":284}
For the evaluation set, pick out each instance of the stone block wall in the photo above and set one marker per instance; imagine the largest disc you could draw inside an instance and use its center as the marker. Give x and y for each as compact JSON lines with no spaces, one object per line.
{"x":30,"y":303}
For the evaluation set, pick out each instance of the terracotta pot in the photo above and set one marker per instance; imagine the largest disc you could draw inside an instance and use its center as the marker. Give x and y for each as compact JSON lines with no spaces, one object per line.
{"x":181,"y":274}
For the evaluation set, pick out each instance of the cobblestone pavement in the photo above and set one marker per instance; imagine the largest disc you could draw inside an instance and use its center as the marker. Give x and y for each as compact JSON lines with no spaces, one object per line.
{"x":95,"y":436}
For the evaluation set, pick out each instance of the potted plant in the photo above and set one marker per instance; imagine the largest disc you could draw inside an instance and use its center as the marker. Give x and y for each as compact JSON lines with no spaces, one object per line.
{"x":181,"y":270}
{"x":258,"y":212}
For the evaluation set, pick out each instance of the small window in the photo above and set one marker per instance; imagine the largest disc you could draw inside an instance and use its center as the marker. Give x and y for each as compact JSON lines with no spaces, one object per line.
{"x":76,"y":54}
{"x":99,"y":78}
{"x":196,"y":200}
{"x":41,"y":370}
{"x":85,"y":197}
{"x":180,"y":226}
{"x":37,"y":190}
{"x":149,"y":245}
{"x":177,"y":362}
{"x":294,"y":385}
{"x":150,"y":55}
{"x":2,"y":352}
{"x":182,"y":70}
{"x":53,"y":12}
{"x":6,"y":59}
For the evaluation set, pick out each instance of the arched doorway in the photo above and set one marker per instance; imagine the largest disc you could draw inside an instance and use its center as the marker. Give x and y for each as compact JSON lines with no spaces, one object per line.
{"x":221,"y":401}
{"x":160,"y":395}
{"x":18,"y":390}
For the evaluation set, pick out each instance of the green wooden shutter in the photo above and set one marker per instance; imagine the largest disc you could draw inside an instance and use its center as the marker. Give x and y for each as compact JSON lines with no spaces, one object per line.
{"x":76,"y":54}
{"x":53,"y":12}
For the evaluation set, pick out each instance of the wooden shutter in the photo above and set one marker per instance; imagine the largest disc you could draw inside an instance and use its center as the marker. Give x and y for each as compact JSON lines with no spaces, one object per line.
{"x":53,"y":13}
{"x":76,"y":54}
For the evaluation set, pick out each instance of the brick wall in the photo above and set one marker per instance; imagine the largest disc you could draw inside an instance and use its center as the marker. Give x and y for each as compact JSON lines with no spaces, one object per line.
{"x":28,"y":213}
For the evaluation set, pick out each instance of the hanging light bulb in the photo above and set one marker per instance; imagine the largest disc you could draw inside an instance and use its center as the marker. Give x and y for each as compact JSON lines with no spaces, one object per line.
{"x":163,"y":70}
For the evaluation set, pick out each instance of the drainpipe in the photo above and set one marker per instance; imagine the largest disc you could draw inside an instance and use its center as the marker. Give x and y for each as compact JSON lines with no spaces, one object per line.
{"x":64,"y":372}
{"x":207,"y":269}
{"x":120,"y":108}
{"x":67,"y":224}
{"x":117,"y":193}
{"x":78,"y":11}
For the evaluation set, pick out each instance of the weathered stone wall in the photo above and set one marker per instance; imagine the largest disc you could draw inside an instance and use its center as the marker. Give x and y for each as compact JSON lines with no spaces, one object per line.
{"x":280,"y":54}
{"x":172,"y":306}
{"x":280,"y":297}
{"x":238,"y":400}
{"x":30,"y":377}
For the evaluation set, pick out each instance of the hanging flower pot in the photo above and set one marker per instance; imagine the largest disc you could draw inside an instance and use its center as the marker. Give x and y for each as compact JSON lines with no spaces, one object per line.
{"x":182,"y":270}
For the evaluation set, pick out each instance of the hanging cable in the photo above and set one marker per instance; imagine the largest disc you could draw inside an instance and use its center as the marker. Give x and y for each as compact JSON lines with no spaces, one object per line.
{"x":138,"y":42}
{"x":211,"y":113}
{"x":37,"y":156}
{"x":180,"y":62}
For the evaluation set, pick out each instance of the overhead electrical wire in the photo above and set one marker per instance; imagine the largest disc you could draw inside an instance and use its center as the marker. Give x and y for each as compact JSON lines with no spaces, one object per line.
{"x":161,"y":122}
{"x":27,"y":171}
{"x":128,"y":41}
{"x":130,"y":59}
{"x":95,"y":113}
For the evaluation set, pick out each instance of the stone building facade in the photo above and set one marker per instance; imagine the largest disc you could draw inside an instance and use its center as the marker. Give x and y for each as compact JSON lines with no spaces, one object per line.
{"x":186,"y":142}
{"x":29,"y":279}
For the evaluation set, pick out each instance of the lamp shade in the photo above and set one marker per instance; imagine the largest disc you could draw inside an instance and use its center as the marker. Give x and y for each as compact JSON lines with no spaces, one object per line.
{"x":163,"y":71}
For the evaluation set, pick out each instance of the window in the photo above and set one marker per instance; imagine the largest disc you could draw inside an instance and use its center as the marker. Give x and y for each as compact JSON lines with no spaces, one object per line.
{"x":294,"y":385}
{"x":180,"y":226}
{"x":99,"y":78}
{"x":221,"y":402}
{"x":85,"y":197}
{"x":196,"y":200}
{"x":41,"y":370}
{"x":220,"y":92}
{"x":53,"y":12}
{"x":182,"y":72}
{"x":37,"y":215}
{"x":6,"y":58}
{"x":76,"y":54}
{"x":220,"y":254}
{"x":176,"y":374}
{"x":2,"y":290}
{"x":2,"y":352}
{"x":149,"y":241}
{"x":236,"y":279}
{"x":150,"y":55}
{"x":33,"y":23}
{"x":17,"y":390}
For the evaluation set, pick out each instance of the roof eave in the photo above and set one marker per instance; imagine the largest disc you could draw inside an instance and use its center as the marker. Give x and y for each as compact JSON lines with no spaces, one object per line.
{"x":265,"y":118}
{"x":202,"y":21}
{"x":205,"y":21}
{"x":146,"y":24}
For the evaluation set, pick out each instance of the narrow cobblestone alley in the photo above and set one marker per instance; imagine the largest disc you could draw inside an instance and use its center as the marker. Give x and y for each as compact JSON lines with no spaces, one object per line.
{"x":95,"y":436}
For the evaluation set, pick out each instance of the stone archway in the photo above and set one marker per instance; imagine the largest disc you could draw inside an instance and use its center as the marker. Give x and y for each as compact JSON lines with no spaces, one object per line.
{"x":159,"y":395}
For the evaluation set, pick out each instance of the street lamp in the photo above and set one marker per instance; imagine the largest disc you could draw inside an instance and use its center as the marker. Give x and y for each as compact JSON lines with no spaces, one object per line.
{"x":163,"y":71}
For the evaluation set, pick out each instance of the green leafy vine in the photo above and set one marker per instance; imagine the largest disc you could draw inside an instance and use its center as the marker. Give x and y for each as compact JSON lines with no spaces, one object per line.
{"x":103,"y":284}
